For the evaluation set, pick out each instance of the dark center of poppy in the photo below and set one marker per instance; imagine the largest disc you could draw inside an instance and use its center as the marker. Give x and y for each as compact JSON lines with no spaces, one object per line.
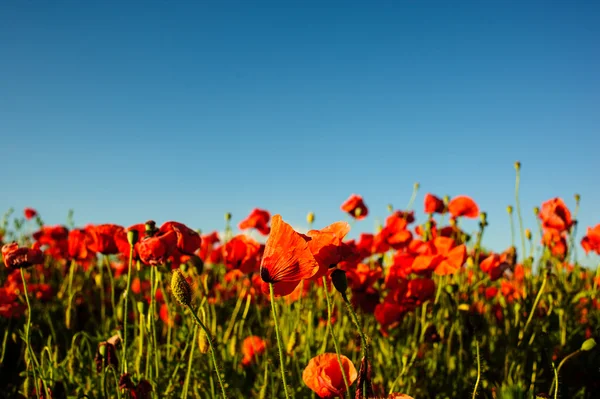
{"x":264,"y":275}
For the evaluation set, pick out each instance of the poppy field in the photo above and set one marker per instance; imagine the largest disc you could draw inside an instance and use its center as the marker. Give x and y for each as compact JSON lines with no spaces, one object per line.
{"x":413,"y":309}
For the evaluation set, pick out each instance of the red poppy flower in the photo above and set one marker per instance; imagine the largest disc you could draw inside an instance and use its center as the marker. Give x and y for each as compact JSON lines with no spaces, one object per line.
{"x":29,"y":213}
{"x":79,"y":242}
{"x":103,"y":238}
{"x":555,"y":215}
{"x":156,"y":250}
{"x":123,"y":243}
{"x":242,"y":253}
{"x":188,"y":241}
{"x":388,"y":315}
{"x":287,"y":258}
{"x":324,"y":376}
{"x":258,"y":219}
{"x":433,"y":204}
{"x":591,"y":242}
{"x":363,"y":277}
{"x":365,"y":244}
{"x":55,"y":238}
{"x":493,"y":266}
{"x":207,"y":245}
{"x":327,"y":246}
{"x":463,"y":206}
{"x":252,"y":347}
{"x":17,"y":258}
{"x":556,"y":240}
{"x":355,"y":207}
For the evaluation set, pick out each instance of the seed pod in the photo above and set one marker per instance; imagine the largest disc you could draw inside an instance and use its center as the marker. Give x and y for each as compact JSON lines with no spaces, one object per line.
{"x":181,"y":288}
{"x":132,"y":237}
{"x":588,"y":345}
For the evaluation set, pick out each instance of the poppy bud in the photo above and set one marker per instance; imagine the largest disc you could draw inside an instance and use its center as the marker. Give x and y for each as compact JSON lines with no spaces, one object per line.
{"x":577,"y":198}
{"x":227,"y":216}
{"x":132,"y":237}
{"x":483,"y":218}
{"x":416,"y":186}
{"x":150,"y":227}
{"x":588,"y":345}
{"x":470,"y":261}
{"x":340,"y":282}
{"x":536,"y":210}
{"x":518,"y":166}
{"x":102,"y":349}
{"x":310,"y":218}
{"x":390,"y":208}
{"x":140,"y":307}
{"x":509,"y":209}
{"x":528,"y":234}
{"x":181,"y":288}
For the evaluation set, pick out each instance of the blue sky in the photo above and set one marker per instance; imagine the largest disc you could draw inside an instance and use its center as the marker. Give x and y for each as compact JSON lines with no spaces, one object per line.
{"x":151,"y":110}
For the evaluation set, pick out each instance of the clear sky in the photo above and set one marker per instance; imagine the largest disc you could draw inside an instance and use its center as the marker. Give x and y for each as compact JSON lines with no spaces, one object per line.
{"x":129,"y":111}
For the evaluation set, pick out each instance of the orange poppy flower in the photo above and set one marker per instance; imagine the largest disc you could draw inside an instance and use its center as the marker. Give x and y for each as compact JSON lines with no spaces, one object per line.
{"x":327,"y":246}
{"x":555,"y":215}
{"x":433,"y":204}
{"x":591,"y":242}
{"x":252,"y":347}
{"x":440,"y":255}
{"x":287,"y":258}
{"x":355,"y":207}
{"x":258,"y":219}
{"x":463,"y":206}
{"x":324,"y":376}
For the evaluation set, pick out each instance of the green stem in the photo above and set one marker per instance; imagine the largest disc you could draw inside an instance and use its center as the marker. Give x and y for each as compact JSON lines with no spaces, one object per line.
{"x":125,"y":315}
{"x":412,"y":197}
{"x":363,"y":338}
{"x":212,"y":352}
{"x":279,"y":344}
{"x":112,"y":289}
{"x":27,"y":334}
{"x":334,"y":338}
{"x":102,"y":304}
{"x":595,"y":286}
{"x":478,"y":369}
{"x":153,"y":283}
{"x":70,"y":294}
{"x":512,"y":229}
{"x":189,"y":368}
{"x":557,"y":372}
{"x":535,"y":303}
{"x":518,"y":205}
